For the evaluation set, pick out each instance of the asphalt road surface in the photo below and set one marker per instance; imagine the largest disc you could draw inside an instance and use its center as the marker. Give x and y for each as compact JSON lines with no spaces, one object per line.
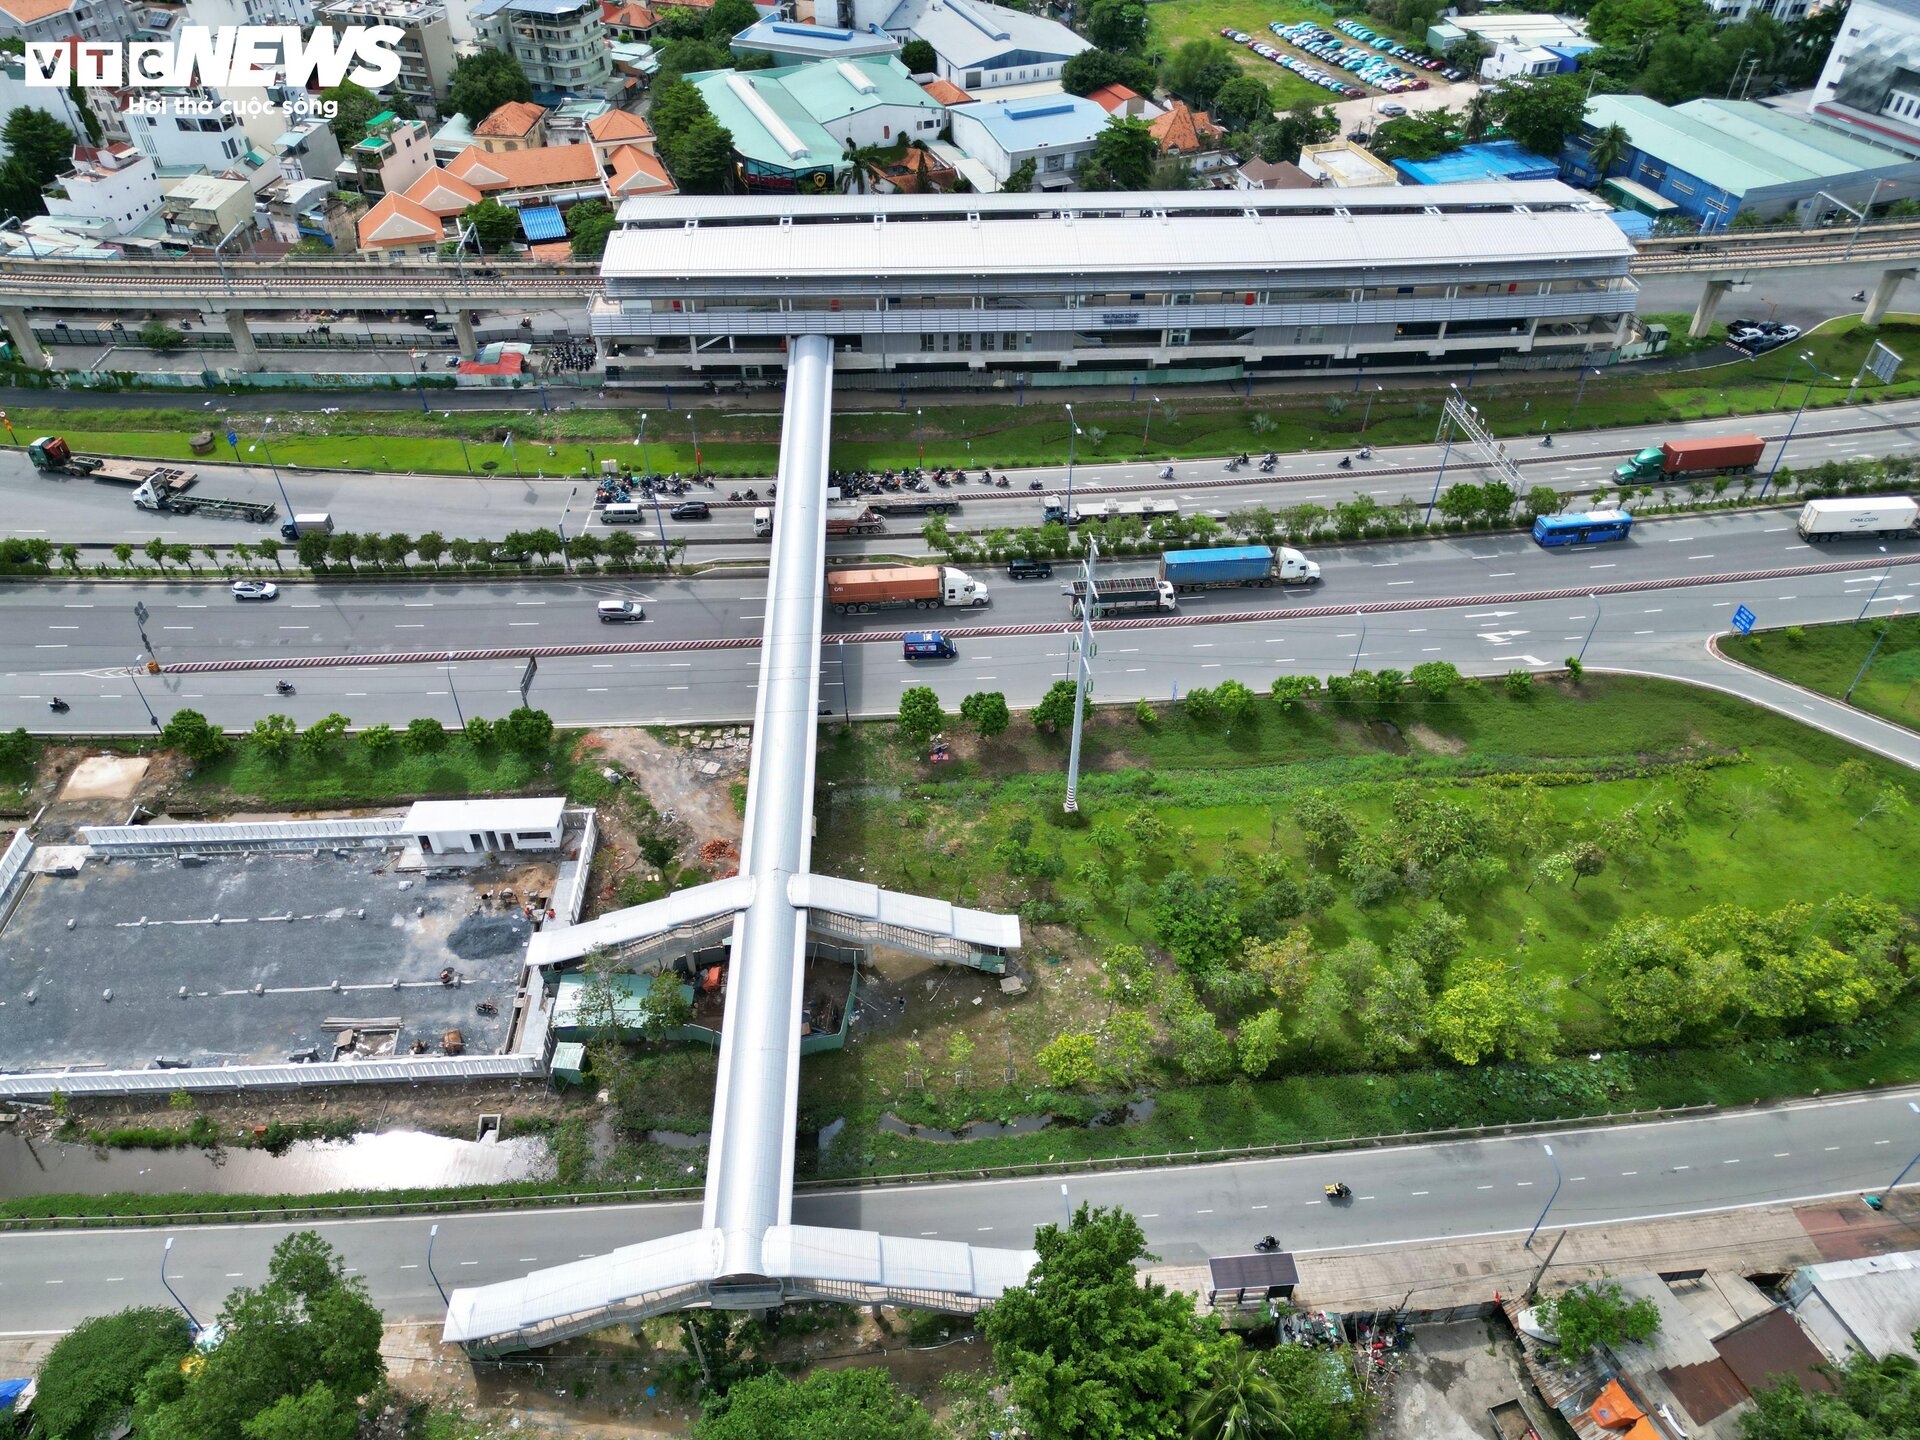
{"x":66,"y":509}
{"x":51,"y":1280}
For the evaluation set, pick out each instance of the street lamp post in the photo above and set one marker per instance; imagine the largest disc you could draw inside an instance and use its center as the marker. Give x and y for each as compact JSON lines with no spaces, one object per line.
{"x":465,"y":458}
{"x":1865,"y":210}
{"x":1147,"y":428}
{"x":919,"y":441}
{"x":514,"y":451}
{"x":696,"y":444}
{"x":1787,"y":439}
{"x":1550,"y":1199}
{"x":1066,"y":1202}
{"x":1361,"y":648}
{"x":167,"y":1250}
{"x":273,"y":465}
{"x":1579,"y":389}
{"x":1367,"y":415}
{"x":1445,"y":452}
{"x":1895,"y":1185}
{"x":1591,"y":628}
{"x":419,"y":384}
{"x":132,"y":676}
{"x":1871,"y":652}
{"x":1073,"y":433}
{"x":453,"y":691}
{"x":433,"y":1232}
{"x":566,"y":561}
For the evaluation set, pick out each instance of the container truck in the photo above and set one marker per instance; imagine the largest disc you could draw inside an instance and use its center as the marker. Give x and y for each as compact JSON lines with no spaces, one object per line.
{"x":1880,"y":517}
{"x":317,"y":522}
{"x":916,"y":505}
{"x":1189,"y":570}
{"x":894,"y":587}
{"x":169,"y":503}
{"x":841,"y":520}
{"x":1689,"y":459}
{"x":52,"y":455}
{"x":1116,"y":594}
{"x":1054,"y":510}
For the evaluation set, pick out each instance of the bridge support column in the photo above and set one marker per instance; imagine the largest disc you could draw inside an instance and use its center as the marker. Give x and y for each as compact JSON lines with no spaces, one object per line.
{"x":1877,"y":303}
{"x":1710,"y":299}
{"x":244,"y":349}
{"x":20,"y":331}
{"x":463,"y":332}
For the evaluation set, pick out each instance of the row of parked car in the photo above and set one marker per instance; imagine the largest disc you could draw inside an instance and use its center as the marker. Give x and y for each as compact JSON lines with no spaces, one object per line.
{"x":1299,"y":67}
{"x":1364,"y":64}
{"x":1756,"y":337}
{"x":1388,"y":45}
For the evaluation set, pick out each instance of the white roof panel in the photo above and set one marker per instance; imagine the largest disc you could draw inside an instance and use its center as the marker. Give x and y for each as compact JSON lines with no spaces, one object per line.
{"x":642,"y":922}
{"x":603,"y":1282}
{"x":859,"y":901}
{"x":441,"y":816}
{"x":862,"y":1257}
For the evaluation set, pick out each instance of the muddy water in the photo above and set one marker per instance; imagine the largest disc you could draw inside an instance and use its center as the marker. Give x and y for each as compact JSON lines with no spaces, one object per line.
{"x":390,"y":1160}
{"x":1133,"y":1111}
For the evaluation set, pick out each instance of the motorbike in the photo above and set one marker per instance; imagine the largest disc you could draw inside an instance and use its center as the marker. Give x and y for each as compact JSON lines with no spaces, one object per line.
{"x":733,"y":495}
{"x":1266,"y":467}
{"x":285,"y":687}
{"x":1366,"y":452}
{"x":749,"y":494}
{"x":1859,"y":295}
{"x":1340,"y":1190}
{"x":58,"y":706}
{"x":1232,"y":465}
{"x":1003,"y":483}
{"x":1031,"y":484}
{"x":1346,"y":462}
{"x":1266,"y":1244}
{"x":1547,"y":440}
{"x":1166,"y":472}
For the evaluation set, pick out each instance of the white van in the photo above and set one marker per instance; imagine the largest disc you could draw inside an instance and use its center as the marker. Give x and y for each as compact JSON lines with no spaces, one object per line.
{"x":623,"y":513}
{"x":621,"y":612}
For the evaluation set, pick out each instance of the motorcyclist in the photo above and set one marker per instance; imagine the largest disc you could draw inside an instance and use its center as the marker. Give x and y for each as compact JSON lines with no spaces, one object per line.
{"x":1346,"y":462}
{"x":1166,"y":472}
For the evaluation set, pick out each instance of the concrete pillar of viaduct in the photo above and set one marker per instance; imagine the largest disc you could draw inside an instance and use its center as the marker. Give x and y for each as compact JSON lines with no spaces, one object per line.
{"x":20,"y":331}
{"x":463,"y":332}
{"x":1877,"y":302}
{"x":1710,"y":297}
{"x":244,"y":350}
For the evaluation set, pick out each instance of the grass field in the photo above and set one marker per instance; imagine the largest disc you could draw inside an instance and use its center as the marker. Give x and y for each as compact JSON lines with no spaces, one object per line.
{"x":1002,"y":434}
{"x":1177,"y":22}
{"x":1828,"y":657}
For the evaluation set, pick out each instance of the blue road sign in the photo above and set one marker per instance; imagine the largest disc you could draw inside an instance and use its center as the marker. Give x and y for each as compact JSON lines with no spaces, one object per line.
{"x":232,"y":438}
{"x":1743,"y":619}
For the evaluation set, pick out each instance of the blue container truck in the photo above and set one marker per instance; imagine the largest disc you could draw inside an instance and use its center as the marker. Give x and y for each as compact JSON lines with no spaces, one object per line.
{"x":1236,"y":565}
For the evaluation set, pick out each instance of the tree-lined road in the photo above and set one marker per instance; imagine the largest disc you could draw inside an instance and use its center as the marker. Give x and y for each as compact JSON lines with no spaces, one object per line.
{"x":51,"y":1280}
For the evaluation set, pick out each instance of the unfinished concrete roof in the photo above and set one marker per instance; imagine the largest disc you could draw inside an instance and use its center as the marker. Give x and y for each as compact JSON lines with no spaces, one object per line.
{"x":438,"y":816}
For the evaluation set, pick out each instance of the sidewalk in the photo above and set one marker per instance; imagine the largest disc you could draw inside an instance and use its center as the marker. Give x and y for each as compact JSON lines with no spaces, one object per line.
{"x":1447,"y":1273}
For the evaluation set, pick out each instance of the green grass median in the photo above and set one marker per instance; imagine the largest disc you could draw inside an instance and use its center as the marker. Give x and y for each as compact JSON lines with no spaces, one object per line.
{"x":1828,"y":658}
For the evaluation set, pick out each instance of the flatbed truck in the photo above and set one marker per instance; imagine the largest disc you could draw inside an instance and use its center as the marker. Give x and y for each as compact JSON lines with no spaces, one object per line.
{"x":1053,"y":510}
{"x":53,"y":456}
{"x":167,"y":502}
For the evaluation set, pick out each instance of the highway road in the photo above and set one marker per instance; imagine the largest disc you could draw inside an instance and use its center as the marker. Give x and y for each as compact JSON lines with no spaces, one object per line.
{"x":64,"y":509}
{"x":1407,"y":1195}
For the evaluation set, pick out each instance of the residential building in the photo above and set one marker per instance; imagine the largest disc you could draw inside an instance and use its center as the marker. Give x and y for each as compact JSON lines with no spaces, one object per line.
{"x":1708,"y":161}
{"x":111,"y":191}
{"x":1118,"y":99}
{"x":551,"y":175}
{"x":203,"y":211}
{"x":567,"y":123}
{"x":632,"y":172}
{"x":65,"y":19}
{"x":790,"y":42}
{"x":426,"y":43}
{"x":560,"y":44}
{"x":794,"y":125}
{"x":299,"y":209}
{"x":1272,"y":175}
{"x":628,"y":21}
{"x":1179,"y":131}
{"x":214,"y":13}
{"x":620,"y":127}
{"x":454,"y":136}
{"x":392,"y":155}
{"x":1787,"y":12}
{"x":517,"y":125}
{"x":188,"y":129}
{"x":1055,"y":132}
{"x":1867,"y":1306}
{"x":308,"y":149}
{"x":1274,"y":283}
{"x":1501,"y":29}
{"x":946,"y":92}
{"x":1343,"y":165}
{"x":401,"y":227}
{"x":1870,"y":88}
{"x":915,"y":172}
{"x":976,"y":45}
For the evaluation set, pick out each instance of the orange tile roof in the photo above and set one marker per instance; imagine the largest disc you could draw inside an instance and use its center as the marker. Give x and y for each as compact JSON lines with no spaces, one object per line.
{"x":947,"y":93}
{"x":636,"y":172}
{"x":512,"y":120}
{"x":407,"y":222}
{"x":619,"y":125}
{"x":1181,"y":132}
{"x":1112,"y":97}
{"x":441,"y":193}
{"x":28,"y":11}
{"x":524,"y":169}
{"x":511,"y":362}
{"x":635,"y":17}
{"x":551,"y":251}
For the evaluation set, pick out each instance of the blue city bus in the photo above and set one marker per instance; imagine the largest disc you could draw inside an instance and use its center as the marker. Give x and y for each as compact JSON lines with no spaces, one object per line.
{"x":1588,"y":528}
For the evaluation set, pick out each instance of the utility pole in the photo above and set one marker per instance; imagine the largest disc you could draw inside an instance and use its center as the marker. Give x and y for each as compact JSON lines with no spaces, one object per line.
{"x":1533,"y":1285}
{"x":1083,"y":651}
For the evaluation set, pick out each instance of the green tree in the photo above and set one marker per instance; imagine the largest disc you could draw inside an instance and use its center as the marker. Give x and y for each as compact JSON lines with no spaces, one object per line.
{"x":1126,"y":1043}
{"x":1198,"y":69}
{"x":664,"y":1009}
{"x":1197,"y":920}
{"x":273,"y":736}
{"x":484,"y":81}
{"x":1487,"y":1009}
{"x":494,"y":225}
{"x":324,"y":734}
{"x":1241,"y":102}
{"x":1090,"y":69}
{"x":1119,"y":26}
{"x":1056,"y":706}
{"x":90,"y":1377}
{"x":1020,"y":179}
{"x":855,"y":1404}
{"x":1089,"y":1350}
{"x":1071,"y":1060}
{"x":1587,"y":859}
{"x":156,"y":551}
{"x":701,"y":157}
{"x":1424,"y":135}
{"x":309,"y":1325}
{"x":430,"y":547}
{"x":526,"y":729}
{"x":194,"y":735}
{"x":1241,"y":1403}
{"x":1873,"y":1400}
{"x":1261,"y":1041}
{"x":16,"y":748}
{"x":123,"y":554}
{"x":683,"y":57}
{"x":1394,"y":1008}
{"x":1290,"y":690}
{"x":1626,"y":22}
{"x":1607,"y":149}
{"x":378,"y":740}
{"x":1282,"y":137}
{"x":1434,"y":679}
{"x":728,"y":18}
{"x":1234,"y":701}
{"x":986,"y":712}
{"x":918,"y":56}
{"x":41,"y":145}
{"x":1593,"y":1314}
{"x":313,"y":548}
{"x":1122,"y":157}
{"x":426,"y":737}
{"x":160,"y":336}
{"x":353,"y":106}
{"x":920,"y":714}
{"x":1543,"y":111}
{"x":588,"y":224}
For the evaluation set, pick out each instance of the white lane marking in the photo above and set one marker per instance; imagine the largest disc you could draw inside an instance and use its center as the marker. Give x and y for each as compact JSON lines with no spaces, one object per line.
{"x":1502,"y":574}
{"x":1392,"y":583}
{"x":1608,"y":566}
{"x":1729,"y":1162}
{"x":529,"y":602}
{"x":61,"y":646}
{"x":1683,"y":1167}
{"x":1422,"y":1192}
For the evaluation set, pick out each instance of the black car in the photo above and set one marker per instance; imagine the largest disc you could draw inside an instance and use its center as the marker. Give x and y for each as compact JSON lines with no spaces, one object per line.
{"x":691,"y":510}
{"x":1024,"y":569}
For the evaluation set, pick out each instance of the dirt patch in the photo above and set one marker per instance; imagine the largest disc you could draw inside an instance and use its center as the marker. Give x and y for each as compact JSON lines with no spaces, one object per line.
{"x":105,"y":777}
{"x":1449,"y":1377}
{"x":1426,"y":738}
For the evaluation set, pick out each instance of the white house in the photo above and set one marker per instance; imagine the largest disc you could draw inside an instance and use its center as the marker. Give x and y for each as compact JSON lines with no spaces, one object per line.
{"x":1056,"y":132}
{"x":977,"y":45}
{"x":444,"y":827}
{"x":110,"y":192}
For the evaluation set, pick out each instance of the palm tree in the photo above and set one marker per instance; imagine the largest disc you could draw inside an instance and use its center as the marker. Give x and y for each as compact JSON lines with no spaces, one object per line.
{"x":1609,"y":148}
{"x":1242,"y":1403}
{"x":1479,"y":117}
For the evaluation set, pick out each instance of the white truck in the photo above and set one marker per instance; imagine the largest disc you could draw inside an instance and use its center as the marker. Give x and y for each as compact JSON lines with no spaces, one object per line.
{"x":1054,"y":510}
{"x":1878,"y":517}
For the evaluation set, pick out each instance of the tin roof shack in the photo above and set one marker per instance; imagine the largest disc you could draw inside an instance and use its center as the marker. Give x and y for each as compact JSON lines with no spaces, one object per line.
{"x":1870,"y":1304}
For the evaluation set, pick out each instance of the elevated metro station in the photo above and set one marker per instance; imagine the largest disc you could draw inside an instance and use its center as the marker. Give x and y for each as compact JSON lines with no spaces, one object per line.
{"x":747,"y":1253}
